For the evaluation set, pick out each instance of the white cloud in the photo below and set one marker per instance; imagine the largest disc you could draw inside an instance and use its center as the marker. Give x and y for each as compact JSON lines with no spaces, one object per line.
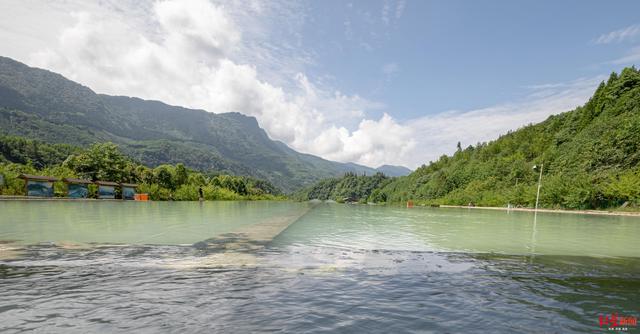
{"x":627,"y":33}
{"x":219,"y":58}
{"x":190,"y":54}
{"x":197,"y":28}
{"x":374,"y":142}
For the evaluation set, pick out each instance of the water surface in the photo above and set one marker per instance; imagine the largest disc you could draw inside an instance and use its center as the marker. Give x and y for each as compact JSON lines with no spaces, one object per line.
{"x":128,"y":222}
{"x":191,"y":267}
{"x":466,"y":230}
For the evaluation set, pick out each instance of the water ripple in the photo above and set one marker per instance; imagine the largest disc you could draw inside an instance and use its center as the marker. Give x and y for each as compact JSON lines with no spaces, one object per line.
{"x":314,"y":289}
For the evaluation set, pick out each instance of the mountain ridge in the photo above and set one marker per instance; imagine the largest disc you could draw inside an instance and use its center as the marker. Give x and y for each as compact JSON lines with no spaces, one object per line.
{"x":392,"y":170}
{"x":44,"y":105}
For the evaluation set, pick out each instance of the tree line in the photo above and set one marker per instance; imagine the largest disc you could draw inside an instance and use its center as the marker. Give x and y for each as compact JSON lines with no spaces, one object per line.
{"x":105,"y":162}
{"x":351,"y":187}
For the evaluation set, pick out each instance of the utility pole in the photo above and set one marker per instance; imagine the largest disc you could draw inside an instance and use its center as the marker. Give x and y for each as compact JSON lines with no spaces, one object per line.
{"x":539,"y":184}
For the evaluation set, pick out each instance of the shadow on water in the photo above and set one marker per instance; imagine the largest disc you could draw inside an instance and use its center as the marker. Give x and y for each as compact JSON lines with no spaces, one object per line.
{"x":236,"y":242}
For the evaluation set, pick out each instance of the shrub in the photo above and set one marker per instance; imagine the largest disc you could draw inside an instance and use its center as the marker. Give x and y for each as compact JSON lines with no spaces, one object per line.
{"x":156,"y":193}
{"x":186,"y":192}
{"x":214,"y":193}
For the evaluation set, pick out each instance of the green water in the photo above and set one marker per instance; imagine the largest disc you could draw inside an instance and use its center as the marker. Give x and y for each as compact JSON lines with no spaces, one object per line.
{"x":119,"y":222}
{"x":335,"y":225}
{"x":466,"y":230}
{"x":214,"y":267}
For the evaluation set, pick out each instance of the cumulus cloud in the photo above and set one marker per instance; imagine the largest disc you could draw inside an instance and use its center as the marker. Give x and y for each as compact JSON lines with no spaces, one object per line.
{"x":373,"y":143}
{"x":200,"y":54}
{"x":190,"y":59}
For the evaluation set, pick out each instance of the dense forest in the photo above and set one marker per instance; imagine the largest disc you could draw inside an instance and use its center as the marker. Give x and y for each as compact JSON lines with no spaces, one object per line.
{"x":591,"y":158}
{"x":105,"y":162}
{"x":349,"y":188}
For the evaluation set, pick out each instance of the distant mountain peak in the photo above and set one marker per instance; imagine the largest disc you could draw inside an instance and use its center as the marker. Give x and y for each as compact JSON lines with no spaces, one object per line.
{"x":392,"y":170}
{"x":44,"y":105}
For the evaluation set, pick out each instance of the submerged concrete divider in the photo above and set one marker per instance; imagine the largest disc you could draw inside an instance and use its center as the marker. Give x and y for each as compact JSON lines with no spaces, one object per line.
{"x":254,"y":236}
{"x":238,"y":248}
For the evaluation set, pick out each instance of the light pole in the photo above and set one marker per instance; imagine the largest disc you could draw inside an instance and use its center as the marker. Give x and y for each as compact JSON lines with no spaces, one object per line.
{"x":539,"y":184}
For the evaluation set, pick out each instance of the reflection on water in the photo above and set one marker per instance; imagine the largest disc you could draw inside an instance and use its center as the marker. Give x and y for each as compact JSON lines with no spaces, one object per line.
{"x":338,"y":268}
{"x":534,"y":231}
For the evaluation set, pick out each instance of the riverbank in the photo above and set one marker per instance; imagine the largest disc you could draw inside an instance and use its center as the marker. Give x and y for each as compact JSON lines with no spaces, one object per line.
{"x":584,"y":212}
{"x":33,"y":198}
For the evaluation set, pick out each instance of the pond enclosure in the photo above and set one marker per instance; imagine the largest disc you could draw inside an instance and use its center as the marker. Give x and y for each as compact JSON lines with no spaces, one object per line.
{"x":42,"y":186}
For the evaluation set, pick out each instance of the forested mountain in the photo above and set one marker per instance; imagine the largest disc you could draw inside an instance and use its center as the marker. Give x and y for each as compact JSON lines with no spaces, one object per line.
{"x":591,"y":158}
{"x":32,"y":152}
{"x":350,"y":187}
{"x":43,"y":105}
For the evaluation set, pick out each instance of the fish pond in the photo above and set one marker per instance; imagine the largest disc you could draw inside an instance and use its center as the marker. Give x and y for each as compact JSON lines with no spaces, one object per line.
{"x":112,"y":266}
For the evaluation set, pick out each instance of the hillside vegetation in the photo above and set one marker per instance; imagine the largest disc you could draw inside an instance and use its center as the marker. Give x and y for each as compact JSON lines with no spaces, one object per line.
{"x":350,"y":187}
{"x":43,"y":105}
{"x":591,"y":158}
{"x":105,"y":162}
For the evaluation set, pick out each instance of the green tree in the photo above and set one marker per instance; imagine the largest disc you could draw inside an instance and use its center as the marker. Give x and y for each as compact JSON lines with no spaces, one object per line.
{"x":181,"y":175}
{"x":163,"y":176}
{"x":102,"y":161}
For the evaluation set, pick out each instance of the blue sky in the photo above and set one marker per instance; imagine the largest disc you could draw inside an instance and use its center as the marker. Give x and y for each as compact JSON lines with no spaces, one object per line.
{"x":372,"y":82}
{"x":459,"y":55}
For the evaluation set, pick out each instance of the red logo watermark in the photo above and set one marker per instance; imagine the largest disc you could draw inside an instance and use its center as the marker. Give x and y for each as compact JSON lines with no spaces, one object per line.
{"x":615,"y":322}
